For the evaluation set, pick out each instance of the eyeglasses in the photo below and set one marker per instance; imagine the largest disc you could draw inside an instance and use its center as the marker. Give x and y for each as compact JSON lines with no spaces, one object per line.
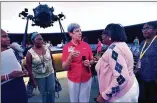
{"x":147,"y":28}
{"x":38,"y":39}
{"x":4,"y":36}
{"x":104,"y":34}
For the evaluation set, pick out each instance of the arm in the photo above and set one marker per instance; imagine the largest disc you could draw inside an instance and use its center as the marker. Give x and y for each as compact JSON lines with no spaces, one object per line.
{"x":12,"y":75}
{"x":29,"y":68}
{"x":66,"y":59}
{"x":90,"y":60}
{"x":53,"y":64}
{"x":67,"y":63}
{"x":120,"y":76}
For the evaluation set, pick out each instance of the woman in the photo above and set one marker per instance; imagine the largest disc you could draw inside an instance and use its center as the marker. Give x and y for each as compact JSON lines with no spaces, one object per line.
{"x":99,"y":48}
{"x":117,"y":82}
{"x":147,"y":63}
{"x":136,"y":42}
{"x":40,"y":68}
{"x":76,"y":59}
{"x":13,"y":91}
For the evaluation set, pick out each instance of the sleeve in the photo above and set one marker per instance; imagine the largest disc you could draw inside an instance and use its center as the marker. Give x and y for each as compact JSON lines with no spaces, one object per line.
{"x":64,"y":54}
{"x":120,"y":74}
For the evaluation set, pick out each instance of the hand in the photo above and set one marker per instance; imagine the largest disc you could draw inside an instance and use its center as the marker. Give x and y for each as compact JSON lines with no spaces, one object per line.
{"x":74,"y":54}
{"x":25,"y":72}
{"x":135,"y":71}
{"x":34,"y":83}
{"x":16,"y":74}
{"x":86,"y":63}
{"x":100,"y":99}
{"x":96,"y":58}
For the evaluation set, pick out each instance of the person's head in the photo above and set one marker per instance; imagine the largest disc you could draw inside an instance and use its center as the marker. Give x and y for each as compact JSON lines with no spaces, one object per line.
{"x":37,"y":39}
{"x":113,"y":33}
{"x":75,"y":32}
{"x":5,"y":41}
{"x":85,"y":39}
{"x":149,"y":29}
{"x":98,"y":39}
{"x":16,"y":47}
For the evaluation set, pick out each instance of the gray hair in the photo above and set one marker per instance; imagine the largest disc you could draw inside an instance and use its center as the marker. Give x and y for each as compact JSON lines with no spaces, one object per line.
{"x":73,"y":26}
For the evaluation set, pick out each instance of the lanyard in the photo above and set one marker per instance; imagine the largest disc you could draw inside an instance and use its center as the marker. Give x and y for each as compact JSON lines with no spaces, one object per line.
{"x":143,"y":52}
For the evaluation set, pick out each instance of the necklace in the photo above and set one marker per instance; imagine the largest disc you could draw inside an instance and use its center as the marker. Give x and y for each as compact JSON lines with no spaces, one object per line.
{"x":144,"y":51}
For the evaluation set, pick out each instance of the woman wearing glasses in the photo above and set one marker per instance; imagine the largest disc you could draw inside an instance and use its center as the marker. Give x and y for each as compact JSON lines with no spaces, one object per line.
{"x":40,"y":68}
{"x":147,"y":63}
{"x":117,"y":82}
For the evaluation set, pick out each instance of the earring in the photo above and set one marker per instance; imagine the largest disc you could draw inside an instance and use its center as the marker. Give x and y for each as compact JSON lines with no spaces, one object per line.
{"x":109,"y":38}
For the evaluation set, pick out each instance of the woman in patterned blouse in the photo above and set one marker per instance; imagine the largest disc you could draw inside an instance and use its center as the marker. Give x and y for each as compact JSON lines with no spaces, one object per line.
{"x":40,"y":67}
{"x":117,"y":82}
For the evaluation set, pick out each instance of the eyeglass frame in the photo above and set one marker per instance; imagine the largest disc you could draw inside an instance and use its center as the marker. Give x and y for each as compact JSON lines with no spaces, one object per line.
{"x":147,"y":28}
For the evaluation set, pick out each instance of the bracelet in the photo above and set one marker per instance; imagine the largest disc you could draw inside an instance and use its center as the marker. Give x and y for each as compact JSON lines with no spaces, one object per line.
{"x":7,"y":76}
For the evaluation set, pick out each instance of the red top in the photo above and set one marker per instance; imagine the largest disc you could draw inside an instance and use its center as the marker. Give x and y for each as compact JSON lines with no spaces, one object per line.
{"x":77,"y":71}
{"x":99,"y":47}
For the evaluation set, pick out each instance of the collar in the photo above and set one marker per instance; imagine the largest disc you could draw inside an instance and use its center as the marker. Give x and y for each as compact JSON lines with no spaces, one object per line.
{"x":73,"y":44}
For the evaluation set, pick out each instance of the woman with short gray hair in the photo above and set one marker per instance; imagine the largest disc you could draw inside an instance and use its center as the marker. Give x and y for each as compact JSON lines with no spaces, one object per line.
{"x":77,"y":59}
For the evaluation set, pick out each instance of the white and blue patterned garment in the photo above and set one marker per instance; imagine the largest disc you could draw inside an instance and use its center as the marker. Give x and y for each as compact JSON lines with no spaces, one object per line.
{"x":118,"y":68}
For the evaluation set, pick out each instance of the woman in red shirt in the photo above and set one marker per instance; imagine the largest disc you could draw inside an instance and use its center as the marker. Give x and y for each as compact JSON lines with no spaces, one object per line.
{"x":77,"y":59}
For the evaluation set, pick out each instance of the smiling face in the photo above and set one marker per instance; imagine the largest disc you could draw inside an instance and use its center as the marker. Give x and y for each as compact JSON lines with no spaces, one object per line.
{"x":5,"y":41}
{"x":76,"y":35}
{"x":148,"y":31}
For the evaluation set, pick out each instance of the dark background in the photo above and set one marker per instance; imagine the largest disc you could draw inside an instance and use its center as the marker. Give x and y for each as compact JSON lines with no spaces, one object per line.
{"x":55,"y":38}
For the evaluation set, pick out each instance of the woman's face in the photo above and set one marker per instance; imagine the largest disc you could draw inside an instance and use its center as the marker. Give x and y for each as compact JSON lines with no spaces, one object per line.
{"x":76,"y":34}
{"x":148,"y":31}
{"x":38,"y":40}
{"x":5,"y":41}
{"x":106,"y":39}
